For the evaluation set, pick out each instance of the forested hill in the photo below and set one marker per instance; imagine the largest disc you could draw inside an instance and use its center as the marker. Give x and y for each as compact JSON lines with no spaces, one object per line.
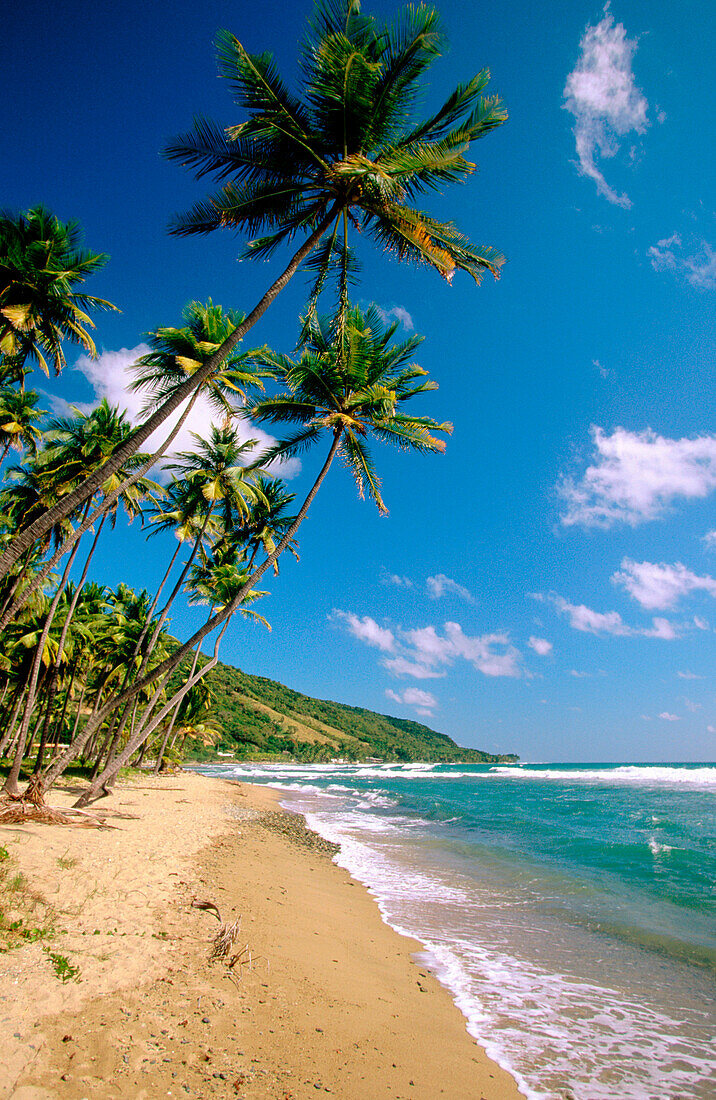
{"x":255,"y":717}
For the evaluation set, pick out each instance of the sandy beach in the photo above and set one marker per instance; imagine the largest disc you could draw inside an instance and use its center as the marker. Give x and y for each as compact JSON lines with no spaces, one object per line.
{"x":324,"y":997}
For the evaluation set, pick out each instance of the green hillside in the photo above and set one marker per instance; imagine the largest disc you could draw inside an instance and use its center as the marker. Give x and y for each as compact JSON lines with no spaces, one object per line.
{"x":256,"y":718}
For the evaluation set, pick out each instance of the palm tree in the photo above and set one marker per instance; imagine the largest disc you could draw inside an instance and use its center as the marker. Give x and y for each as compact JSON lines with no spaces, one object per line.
{"x":346,"y":154}
{"x":41,"y":265}
{"x":268,"y":521}
{"x":73,"y":446}
{"x":18,"y":420}
{"x":178,"y":353}
{"x":346,"y":387}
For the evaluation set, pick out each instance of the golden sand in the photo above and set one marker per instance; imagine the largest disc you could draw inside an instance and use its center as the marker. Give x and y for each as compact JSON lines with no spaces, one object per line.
{"x":323,"y":998}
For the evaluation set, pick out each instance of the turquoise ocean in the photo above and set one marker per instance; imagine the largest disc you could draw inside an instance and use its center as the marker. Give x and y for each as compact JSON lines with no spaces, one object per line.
{"x":569,"y":908}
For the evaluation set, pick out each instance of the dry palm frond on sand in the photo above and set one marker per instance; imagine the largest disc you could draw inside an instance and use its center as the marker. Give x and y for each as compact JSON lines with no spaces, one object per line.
{"x":17,"y":812}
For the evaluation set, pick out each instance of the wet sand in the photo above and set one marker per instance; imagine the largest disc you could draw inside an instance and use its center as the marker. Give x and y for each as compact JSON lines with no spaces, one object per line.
{"x":324,"y":998}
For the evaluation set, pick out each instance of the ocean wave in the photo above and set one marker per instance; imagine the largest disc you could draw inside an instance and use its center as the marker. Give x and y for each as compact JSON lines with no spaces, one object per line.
{"x":661,"y":774}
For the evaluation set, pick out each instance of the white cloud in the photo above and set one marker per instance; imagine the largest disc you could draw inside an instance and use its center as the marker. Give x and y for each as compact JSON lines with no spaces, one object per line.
{"x":605,"y":102}
{"x":669,"y":717}
{"x":583,"y":618}
{"x":662,"y":629}
{"x":365,"y":630}
{"x":592,"y":622}
{"x":700,"y":624}
{"x":636,"y":476}
{"x":110,"y":376}
{"x":540,"y":645}
{"x":686,"y":675}
{"x":579,"y":675}
{"x":440,"y":584}
{"x":711,"y":729}
{"x":697,"y":265}
{"x":660,"y":587}
{"x":394,"y":578}
{"x":423,"y":701}
{"x":491,"y":654}
{"x":710,"y":539}
{"x":397,"y":313}
{"x":425,"y":653}
{"x":605,"y":372}
{"x":401,"y":666}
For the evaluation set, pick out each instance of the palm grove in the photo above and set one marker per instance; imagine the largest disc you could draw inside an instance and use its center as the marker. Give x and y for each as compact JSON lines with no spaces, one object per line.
{"x":91,"y":675}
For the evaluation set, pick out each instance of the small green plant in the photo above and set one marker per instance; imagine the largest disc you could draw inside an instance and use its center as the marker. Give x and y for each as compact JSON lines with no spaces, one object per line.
{"x":4,"y":854}
{"x":65,"y":862}
{"x":16,"y":883}
{"x":64,"y":970}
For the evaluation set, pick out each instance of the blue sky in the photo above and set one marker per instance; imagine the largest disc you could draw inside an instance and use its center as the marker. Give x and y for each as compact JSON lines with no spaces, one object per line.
{"x":548,"y":586}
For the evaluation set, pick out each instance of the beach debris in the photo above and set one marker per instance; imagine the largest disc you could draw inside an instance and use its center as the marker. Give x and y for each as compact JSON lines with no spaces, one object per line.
{"x":227,"y":935}
{"x":223,"y":942}
{"x":17,"y":812}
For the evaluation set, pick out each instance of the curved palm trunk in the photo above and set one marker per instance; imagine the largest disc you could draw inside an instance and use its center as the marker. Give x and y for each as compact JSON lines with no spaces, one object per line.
{"x":176,"y":589}
{"x":170,"y":727}
{"x":55,"y":671}
{"x":90,"y":486}
{"x":11,"y":786}
{"x":170,"y":663}
{"x":108,"y":775}
{"x":9,"y":612}
{"x":153,"y":641}
{"x":7,"y":736}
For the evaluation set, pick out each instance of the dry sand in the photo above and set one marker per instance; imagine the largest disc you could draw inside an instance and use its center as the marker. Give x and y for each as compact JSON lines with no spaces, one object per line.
{"x":332,"y":1002}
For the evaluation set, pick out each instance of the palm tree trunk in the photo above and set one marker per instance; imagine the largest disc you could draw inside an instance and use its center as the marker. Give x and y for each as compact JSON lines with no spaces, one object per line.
{"x":55,"y":672}
{"x":11,"y":786}
{"x":170,"y":727}
{"x":7,"y":736}
{"x":97,"y":478}
{"x":102,"y":781}
{"x":169,"y":664}
{"x":175,"y":591}
{"x":79,"y":713}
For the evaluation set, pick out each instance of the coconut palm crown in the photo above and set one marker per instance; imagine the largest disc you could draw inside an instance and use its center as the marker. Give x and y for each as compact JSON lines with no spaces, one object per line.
{"x":42,"y":264}
{"x":351,"y":385}
{"x":349,"y":145}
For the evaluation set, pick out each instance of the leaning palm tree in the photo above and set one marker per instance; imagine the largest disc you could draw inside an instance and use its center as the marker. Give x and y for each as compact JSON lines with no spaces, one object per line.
{"x":42,"y":264}
{"x":347,"y":388}
{"x":346,"y":154}
{"x":73,"y":446}
{"x":19,"y":418}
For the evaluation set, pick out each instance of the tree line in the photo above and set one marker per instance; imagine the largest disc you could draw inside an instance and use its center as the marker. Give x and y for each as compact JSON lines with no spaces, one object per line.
{"x":90,"y":674}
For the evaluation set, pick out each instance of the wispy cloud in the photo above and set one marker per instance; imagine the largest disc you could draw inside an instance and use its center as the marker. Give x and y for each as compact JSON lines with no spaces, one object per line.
{"x":605,"y":101}
{"x":110,"y":376}
{"x":365,"y":630}
{"x":710,"y":540}
{"x":669,"y":717}
{"x":402,"y":666}
{"x":491,"y":654}
{"x":541,"y":646}
{"x":395,"y":579}
{"x":423,"y":701}
{"x":635,"y":476}
{"x":658,"y":587}
{"x":399,"y":314}
{"x":687,"y":675}
{"x":426,"y":653}
{"x":588,"y":621}
{"x":439,"y":585}
{"x":696,"y":263}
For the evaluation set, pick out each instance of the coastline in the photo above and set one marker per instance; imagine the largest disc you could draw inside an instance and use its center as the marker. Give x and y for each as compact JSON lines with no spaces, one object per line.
{"x":332,"y":1002}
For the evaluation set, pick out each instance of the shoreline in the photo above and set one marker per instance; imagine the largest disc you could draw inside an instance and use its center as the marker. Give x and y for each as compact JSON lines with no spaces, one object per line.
{"x":332,"y":1001}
